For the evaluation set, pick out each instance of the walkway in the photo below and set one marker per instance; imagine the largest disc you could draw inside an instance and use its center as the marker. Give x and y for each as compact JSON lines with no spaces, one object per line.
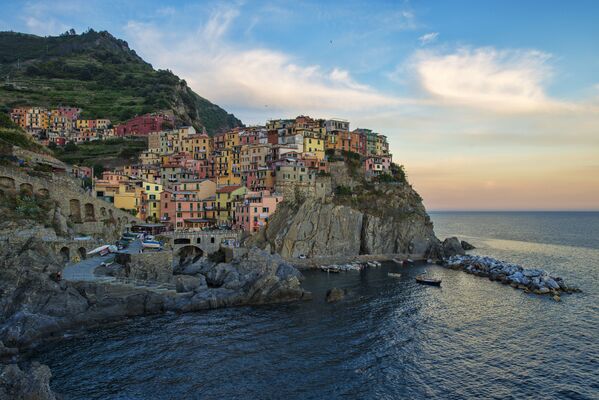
{"x":84,"y":269}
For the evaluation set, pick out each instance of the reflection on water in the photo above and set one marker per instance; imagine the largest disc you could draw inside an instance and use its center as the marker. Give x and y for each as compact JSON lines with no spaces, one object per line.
{"x":390,"y":338}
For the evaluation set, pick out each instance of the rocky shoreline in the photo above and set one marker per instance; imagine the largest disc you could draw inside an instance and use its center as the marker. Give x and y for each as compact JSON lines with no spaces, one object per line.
{"x":537,"y":281}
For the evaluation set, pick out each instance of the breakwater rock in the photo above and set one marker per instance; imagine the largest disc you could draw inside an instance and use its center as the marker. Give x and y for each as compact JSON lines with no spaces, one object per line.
{"x":536,"y":281}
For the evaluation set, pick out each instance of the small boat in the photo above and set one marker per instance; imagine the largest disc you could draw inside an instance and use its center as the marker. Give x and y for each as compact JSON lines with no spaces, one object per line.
{"x":151,"y":244}
{"x":427,"y":280}
{"x":333,"y":270}
{"x":394,"y":275}
{"x":398,"y":261}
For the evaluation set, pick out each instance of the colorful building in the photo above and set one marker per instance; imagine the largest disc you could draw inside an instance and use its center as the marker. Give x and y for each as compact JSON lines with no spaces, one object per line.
{"x":226,"y":199}
{"x":253,"y":213}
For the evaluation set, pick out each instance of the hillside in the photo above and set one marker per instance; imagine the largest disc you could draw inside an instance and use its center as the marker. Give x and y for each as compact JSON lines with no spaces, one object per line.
{"x":101,"y":74}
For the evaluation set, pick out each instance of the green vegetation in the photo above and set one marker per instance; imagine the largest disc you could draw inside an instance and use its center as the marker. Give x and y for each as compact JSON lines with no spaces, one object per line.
{"x":25,"y":205}
{"x":99,"y":153}
{"x":10,"y":134}
{"x":99,"y":73}
{"x":397,"y":175}
{"x":342,"y":190}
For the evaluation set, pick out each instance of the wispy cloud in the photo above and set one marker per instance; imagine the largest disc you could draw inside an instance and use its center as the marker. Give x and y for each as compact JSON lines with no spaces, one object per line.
{"x":428,"y":38}
{"x":252,"y":78}
{"x":497,"y":80}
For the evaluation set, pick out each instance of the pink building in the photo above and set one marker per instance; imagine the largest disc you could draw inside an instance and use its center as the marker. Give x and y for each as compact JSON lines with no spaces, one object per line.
{"x":183,"y":209}
{"x":69,"y":112}
{"x":376,"y":165}
{"x":142,"y":125}
{"x":257,"y":207}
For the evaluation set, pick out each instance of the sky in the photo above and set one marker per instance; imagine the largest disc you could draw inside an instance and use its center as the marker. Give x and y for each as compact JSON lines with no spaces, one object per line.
{"x":490,"y":105}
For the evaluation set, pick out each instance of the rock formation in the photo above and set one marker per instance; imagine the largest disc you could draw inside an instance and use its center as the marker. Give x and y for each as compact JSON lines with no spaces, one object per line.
{"x":34,"y":306}
{"x":376,"y":218}
{"x":26,"y":383}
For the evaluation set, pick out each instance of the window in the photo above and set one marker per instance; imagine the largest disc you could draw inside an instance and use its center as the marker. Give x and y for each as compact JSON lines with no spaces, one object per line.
{"x":212,"y":239}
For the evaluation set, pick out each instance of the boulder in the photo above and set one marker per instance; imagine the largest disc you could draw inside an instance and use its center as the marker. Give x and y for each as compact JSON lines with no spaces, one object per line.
{"x":7,"y":352}
{"x":188,"y":283}
{"x":452,"y":247}
{"x":467,"y":246}
{"x":32,"y":383}
{"x":334,"y":294}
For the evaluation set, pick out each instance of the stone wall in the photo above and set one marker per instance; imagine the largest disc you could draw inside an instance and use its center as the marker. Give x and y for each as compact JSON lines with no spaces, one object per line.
{"x":151,"y":266}
{"x":296,"y":192}
{"x":86,"y":214}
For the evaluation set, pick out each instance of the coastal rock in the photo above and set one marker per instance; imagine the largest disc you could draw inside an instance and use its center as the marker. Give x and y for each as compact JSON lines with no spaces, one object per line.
{"x":33,"y":306}
{"x":7,"y":352}
{"x":452,"y":247}
{"x":32,"y":383}
{"x":188,"y":283}
{"x":467,"y":246}
{"x":197,"y":267}
{"x":334,"y":294}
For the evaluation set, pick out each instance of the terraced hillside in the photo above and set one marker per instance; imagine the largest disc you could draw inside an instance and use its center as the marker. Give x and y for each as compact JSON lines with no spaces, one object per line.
{"x":102,"y":75}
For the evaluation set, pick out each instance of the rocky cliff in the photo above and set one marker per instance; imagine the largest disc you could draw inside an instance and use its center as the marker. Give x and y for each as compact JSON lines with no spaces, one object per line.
{"x":358,"y":217}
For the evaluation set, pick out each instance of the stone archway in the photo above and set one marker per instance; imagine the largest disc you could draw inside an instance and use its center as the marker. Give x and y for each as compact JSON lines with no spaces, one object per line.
{"x":89,"y":212}
{"x":26,"y":188}
{"x":75,"y":210}
{"x":7,"y":182}
{"x":82,"y":253}
{"x":43,"y":192}
{"x":189,"y":254}
{"x":65,"y":254}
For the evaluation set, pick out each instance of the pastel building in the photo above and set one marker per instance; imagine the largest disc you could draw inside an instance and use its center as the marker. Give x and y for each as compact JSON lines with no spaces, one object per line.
{"x":184,"y":210}
{"x":376,"y":165}
{"x":255,"y":209}
{"x":152,"y":193}
{"x":226,"y":199}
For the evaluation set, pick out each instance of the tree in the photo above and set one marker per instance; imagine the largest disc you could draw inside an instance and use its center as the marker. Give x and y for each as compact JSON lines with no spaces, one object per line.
{"x":98,"y":170}
{"x":70,"y":147}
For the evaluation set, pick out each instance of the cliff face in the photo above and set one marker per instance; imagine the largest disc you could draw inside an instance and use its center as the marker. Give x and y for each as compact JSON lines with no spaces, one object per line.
{"x":364,"y":218}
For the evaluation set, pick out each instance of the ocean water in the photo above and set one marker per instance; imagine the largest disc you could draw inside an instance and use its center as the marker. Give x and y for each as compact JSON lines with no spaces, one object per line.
{"x":390,"y":338}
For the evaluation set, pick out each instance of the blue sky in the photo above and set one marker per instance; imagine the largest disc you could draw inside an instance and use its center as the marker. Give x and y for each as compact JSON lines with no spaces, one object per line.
{"x":489,"y":104}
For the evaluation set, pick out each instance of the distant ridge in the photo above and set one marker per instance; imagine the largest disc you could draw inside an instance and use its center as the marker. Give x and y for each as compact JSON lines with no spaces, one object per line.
{"x":101,"y":74}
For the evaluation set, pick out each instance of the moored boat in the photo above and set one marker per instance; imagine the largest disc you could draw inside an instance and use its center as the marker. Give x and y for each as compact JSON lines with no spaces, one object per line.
{"x":428,"y":280}
{"x":151,"y":244}
{"x":394,"y":275}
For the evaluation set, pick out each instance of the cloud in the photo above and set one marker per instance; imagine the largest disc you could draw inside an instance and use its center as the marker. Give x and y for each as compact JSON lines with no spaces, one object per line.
{"x":44,"y":26}
{"x":428,"y":38}
{"x":497,"y":80}
{"x":252,"y":78}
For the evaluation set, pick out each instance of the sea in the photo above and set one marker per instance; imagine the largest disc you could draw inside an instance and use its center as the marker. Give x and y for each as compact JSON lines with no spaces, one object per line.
{"x":390,"y":338}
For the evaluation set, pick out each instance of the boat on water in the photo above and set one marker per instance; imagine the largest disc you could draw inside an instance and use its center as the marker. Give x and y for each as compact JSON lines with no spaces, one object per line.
{"x":394,"y":275}
{"x":428,"y":280}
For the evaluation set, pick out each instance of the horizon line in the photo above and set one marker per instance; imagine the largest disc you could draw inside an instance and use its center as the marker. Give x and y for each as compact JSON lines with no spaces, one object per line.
{"x":514,"y":210}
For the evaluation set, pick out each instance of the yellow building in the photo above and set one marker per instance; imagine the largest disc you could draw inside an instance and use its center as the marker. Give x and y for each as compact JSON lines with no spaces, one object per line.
{"x":130,"y":198}
{"x":227,"y":198}
{"x":152,"y":195}
{"x":83,"y":124}
{"x":198,"y":146}
{"x":314,"y":144}
{"x":37,"y":118}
